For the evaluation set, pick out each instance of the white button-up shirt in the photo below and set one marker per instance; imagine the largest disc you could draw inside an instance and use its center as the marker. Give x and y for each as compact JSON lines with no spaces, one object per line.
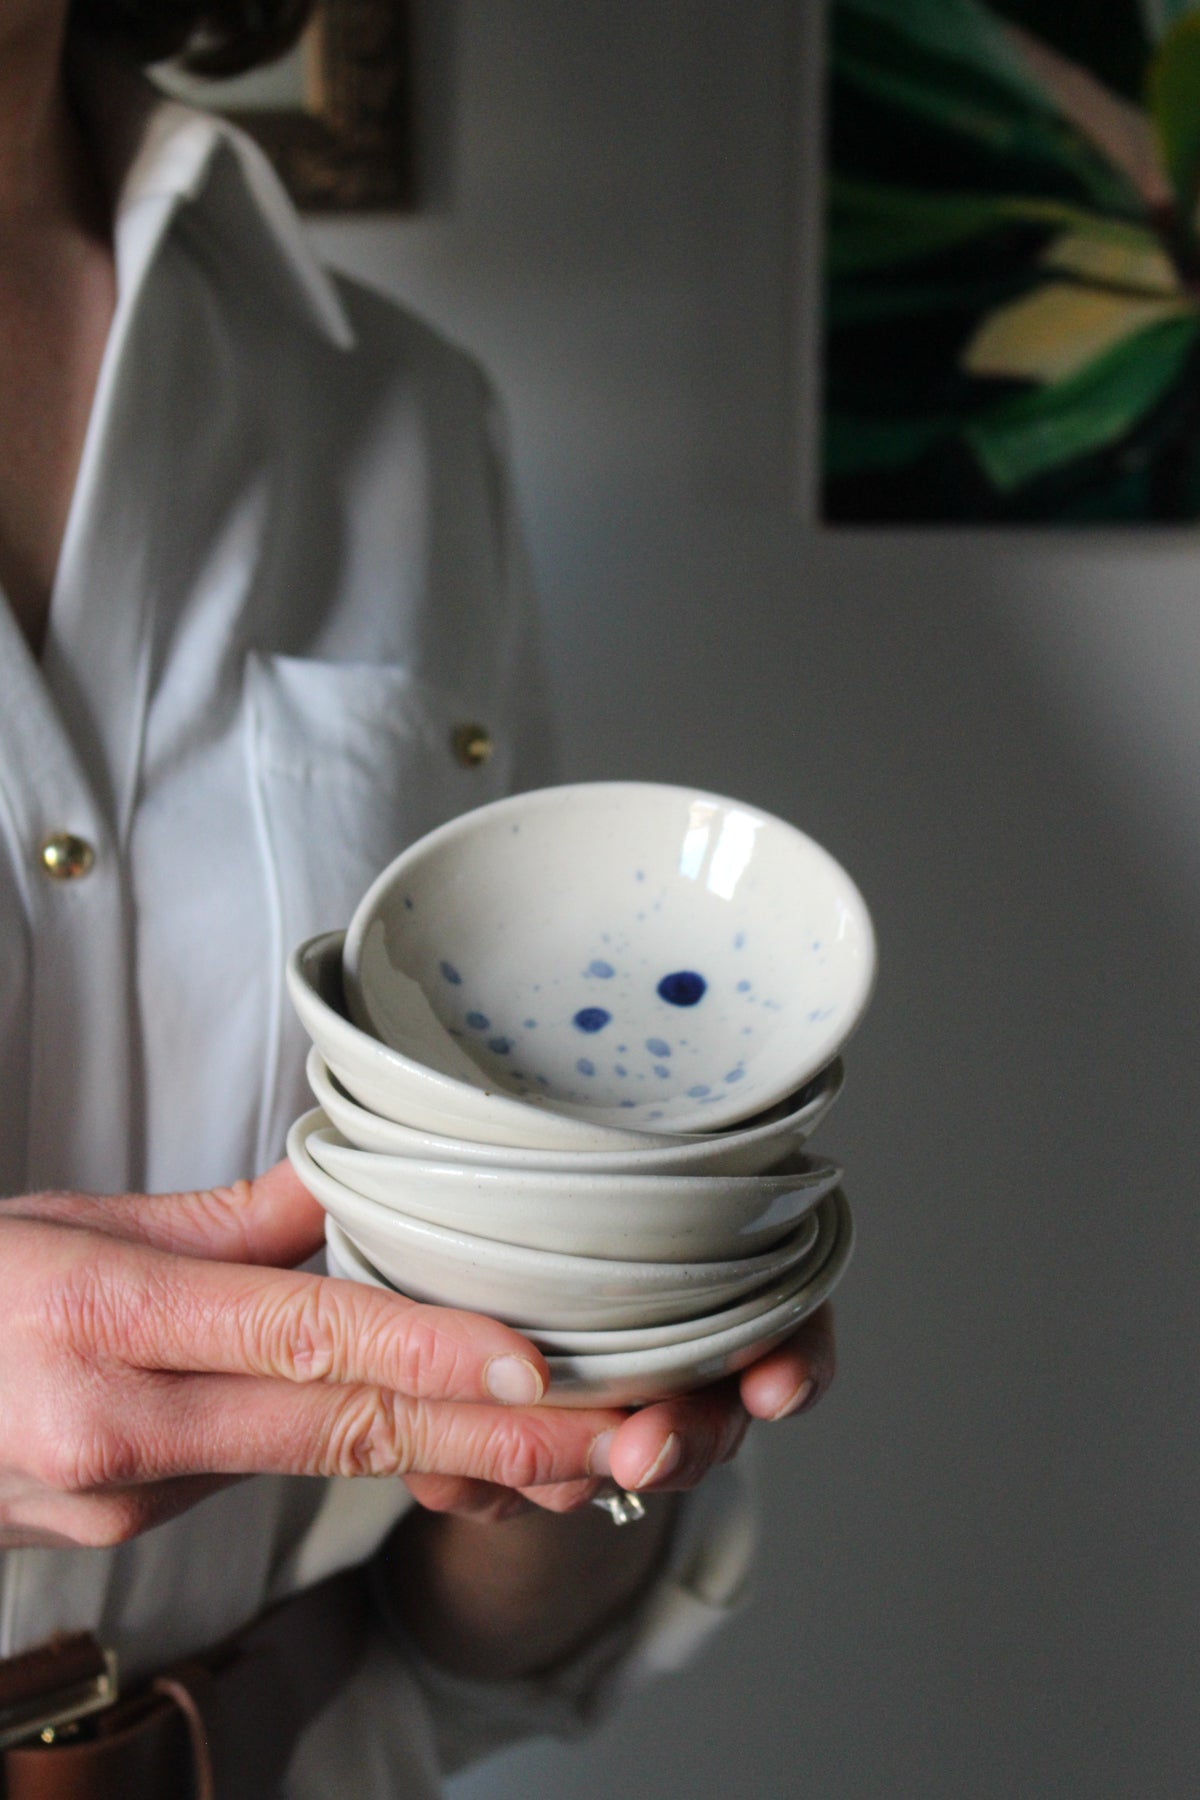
{"x":290,"y":570}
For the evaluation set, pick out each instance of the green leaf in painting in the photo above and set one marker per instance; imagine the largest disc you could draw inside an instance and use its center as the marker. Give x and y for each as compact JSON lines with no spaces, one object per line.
{"x":1052,"y":425}
{"x":1173,"y":90}
{"x":853,"y":444}
{"x":955,"y":30}
{"x":874,"y":225}
{"x":952,"y":64}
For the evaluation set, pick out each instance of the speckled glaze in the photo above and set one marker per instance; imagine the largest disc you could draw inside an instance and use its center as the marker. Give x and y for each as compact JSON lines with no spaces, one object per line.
{"x":628,"y":954}
{"x":508,"y":1282}
{"x":386,"y":1082}
{"x":633,"y":1376}
{"x":761,"y":1144}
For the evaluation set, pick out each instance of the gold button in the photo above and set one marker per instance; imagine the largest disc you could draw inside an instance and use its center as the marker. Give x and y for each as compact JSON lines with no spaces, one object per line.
{"x":472,"y":745}
{"x":66,"y":857}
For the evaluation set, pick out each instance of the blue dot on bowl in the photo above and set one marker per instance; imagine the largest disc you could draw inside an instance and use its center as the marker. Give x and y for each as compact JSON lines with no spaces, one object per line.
{"x":658,"y":1047}
{"x":451,"y":974}
{"x":683,"y":987}
{"x":661,"y":1070}
{"x":478,"y":1021}
{"x":591,"y":1018}
{"x":603,"y":971}
{"x":501,"y":1045}
{"x":699,"y":1091}
{"x":586,"y":1066}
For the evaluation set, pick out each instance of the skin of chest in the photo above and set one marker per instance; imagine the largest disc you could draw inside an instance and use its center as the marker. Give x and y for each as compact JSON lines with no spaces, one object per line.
{"x":57,"y":298}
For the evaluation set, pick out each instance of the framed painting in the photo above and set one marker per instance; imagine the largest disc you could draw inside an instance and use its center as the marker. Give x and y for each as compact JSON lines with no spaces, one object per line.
{"x":336,"y":116}
{"x":1011,"y":309}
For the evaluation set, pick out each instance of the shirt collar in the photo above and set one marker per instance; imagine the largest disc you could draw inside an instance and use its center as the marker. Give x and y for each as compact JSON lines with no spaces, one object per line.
{"x":155,"y":147}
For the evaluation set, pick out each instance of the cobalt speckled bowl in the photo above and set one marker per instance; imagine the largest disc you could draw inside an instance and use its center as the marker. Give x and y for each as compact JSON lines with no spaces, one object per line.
{"x":625,"y":953}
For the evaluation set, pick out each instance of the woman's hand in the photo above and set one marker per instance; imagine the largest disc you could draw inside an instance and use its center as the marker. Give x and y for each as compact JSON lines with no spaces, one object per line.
{"x":156,"y":1346}
{"x":514,"y":1600}
{"x":672,"y":1445}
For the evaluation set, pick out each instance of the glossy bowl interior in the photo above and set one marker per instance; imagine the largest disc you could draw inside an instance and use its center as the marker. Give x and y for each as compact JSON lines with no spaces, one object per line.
{"x":395,"y":1087}
{"x":624,"y":953}
{"x":655,"y":1218}
{"x":760,"y":1144}
{"x":518,"y":1285}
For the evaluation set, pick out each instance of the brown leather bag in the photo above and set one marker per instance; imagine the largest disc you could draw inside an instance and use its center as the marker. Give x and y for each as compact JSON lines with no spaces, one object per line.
{"x":220,"y":1726}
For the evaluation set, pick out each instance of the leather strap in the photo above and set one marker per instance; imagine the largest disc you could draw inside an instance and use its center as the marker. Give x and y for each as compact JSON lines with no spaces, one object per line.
{"x":221,"y":1726}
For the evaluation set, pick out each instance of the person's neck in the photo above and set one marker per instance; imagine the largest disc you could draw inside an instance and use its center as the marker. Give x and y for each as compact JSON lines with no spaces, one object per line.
{"x":41,"y":171}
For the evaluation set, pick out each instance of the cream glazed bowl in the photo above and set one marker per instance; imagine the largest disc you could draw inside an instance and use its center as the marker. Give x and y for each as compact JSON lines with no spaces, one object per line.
{"x":344,"y":1259}
{"x":654,"y":1218}
{"x":760,"y":1144}
{"x":517,"y":1285}
{"x":410,"y":1093}
{"x":624,"y":953}
{"x":638,"y":1374}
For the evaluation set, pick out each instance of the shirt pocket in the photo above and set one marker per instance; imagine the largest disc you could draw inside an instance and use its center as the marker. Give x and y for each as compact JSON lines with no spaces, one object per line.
{"x":349,"y":763}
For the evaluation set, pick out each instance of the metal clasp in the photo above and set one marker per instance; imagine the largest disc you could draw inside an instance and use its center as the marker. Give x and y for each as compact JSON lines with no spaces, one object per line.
{"x":45,"y":1690}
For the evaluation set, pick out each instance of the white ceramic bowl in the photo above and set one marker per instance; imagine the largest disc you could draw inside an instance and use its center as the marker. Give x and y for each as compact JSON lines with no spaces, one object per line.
{"x":626,"y":953}
{"x":346,"y":1260}
{"x":743,"y":1150}
{"x":653,"y":1218}
{"x":396,"y":1088}
{"x":506,"y":1281}
{"x":637,"y":1376}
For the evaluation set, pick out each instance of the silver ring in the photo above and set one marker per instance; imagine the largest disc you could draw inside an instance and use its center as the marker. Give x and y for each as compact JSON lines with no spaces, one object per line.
{"x":622,"y":1508}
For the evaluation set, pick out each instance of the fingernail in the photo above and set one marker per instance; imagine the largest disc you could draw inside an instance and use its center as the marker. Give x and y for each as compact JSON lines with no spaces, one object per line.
{"x":794,"y":1402}
{"x":664,"y":1464}
{"x":514,"y":1381}
{"x":600,"y":1454}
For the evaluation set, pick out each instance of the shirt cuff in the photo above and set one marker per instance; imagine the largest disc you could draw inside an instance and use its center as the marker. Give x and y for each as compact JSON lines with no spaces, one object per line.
{"x":705,"y":1580}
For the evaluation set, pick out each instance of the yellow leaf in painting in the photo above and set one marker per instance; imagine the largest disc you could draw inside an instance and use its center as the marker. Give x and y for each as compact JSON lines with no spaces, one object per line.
{"x":1060,"y":328}
{"x":1138,"y":266}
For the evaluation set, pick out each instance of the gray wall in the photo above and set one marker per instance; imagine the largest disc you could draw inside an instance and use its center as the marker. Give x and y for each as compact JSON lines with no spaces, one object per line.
{"x":981,"y":1567}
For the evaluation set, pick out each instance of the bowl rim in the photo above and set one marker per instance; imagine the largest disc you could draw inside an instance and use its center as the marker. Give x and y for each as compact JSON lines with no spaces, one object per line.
{"x":832,"y":1078}
{"x":537,"y":799}
{"x":484,"y":1104}
{"x":517,"y":1259}
{"x":745,"y":1342}
{"x":821,"y":1173}
{"x":561,"y":1341}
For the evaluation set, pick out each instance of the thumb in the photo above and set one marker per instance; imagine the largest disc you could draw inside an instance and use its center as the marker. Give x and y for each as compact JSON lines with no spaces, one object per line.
{"x":272,"y":1219}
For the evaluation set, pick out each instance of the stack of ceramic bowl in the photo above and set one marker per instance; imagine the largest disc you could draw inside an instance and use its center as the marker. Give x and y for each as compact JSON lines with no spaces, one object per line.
{"x":566,"y":1056}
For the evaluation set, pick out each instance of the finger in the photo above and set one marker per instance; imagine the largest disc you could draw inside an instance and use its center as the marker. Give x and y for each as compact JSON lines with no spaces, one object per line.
{"x":674,"y":1444}
{"x":795,"y":1377}
{"x":481,"y":1501}
{"x":272,"y":1219}
{"x":242,"y":1425}
{"x":564,"y":1496}
{"x":151,"y":1310}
